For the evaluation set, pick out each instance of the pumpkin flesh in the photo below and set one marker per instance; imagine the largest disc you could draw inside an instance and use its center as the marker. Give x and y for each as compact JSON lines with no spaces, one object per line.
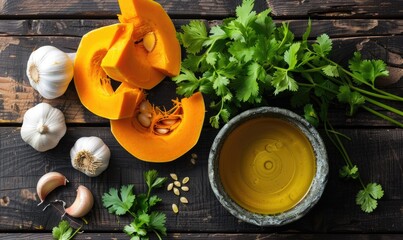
{"x":147,"y":145}
{"x":92,"y":83}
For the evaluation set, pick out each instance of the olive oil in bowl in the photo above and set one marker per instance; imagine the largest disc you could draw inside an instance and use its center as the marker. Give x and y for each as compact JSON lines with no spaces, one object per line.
{"x":268,"y":166}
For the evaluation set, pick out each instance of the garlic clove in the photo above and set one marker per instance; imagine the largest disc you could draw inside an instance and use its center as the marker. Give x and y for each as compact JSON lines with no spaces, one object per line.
{"x":90,"y":155}
{"x":50,"y":71}
{"x":48,"y":183}
{"x":43,"y":126}
{"x":82,"y":204}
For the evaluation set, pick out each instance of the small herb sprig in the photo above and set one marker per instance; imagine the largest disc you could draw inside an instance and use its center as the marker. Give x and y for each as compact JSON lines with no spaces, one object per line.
{"x":64,"y":231}
{"x":246,"y":60}
{"x":139,"y":207}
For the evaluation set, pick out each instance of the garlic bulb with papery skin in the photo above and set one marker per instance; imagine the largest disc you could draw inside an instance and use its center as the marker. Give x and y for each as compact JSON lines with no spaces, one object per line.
{"x":50,"y":71}
{"x":43,"y":126}
{"x":90,"y":155}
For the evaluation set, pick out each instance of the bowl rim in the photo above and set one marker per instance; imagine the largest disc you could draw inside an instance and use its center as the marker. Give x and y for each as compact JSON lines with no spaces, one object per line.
{"x":315,"y":190}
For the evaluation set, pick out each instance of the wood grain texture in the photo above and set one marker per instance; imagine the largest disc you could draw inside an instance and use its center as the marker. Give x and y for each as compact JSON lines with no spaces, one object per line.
{"x":378,"y":158}
{"x":110,"y":8}
{"x":338,"y":8}
{"x":215,"y":236}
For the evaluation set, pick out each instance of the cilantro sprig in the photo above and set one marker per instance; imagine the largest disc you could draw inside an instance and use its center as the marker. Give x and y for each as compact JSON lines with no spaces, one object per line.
{"x":64,"y":231}
{"x":247,"y":60}
{"x":139,"y":206}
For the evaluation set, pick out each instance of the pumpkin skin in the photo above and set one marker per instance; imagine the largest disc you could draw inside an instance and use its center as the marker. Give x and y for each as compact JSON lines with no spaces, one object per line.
{"x":146,"y":145}
{"x":146,"y":69}
{"x":92,"y":83}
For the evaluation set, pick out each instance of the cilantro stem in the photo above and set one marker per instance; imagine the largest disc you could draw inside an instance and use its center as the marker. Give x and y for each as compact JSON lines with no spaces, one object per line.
{"x":74,"y":233}
{"x":382,"y":96}
{"x":387,"y":107}
{"x":399,"y":124}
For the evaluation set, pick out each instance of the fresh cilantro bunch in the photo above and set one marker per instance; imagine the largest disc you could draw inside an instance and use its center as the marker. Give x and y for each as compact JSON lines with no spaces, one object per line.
{"x":139,"y":207}
{"x":63,"y":231}
{"x":245,"y":61}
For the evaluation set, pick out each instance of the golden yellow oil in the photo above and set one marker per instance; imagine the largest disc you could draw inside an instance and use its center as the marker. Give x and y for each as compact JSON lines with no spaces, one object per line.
{"x":267,"y":165}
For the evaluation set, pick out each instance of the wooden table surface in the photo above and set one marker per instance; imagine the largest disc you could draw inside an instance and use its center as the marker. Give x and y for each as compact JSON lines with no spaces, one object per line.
{"x":372,"y":26}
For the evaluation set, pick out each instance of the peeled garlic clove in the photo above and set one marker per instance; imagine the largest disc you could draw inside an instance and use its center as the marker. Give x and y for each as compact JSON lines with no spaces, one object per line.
{"x":48,"y":183}
{"x":82,"y":204}
{"x":90,"y":155}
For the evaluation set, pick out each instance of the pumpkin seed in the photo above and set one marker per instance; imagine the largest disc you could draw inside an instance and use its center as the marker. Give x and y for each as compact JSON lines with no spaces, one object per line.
{"x":176,"y":191}
{"x":145,"y":107}
{"x":170,"y":186}
{"x":169,"y":122}
{"x":193,"y":161}
{"x":177,"y":183}
{"x":149,"y":41}
{"x":174,"y":176}
{"x":175,"y":208}
{"x":194,"y":155}
{"x":144,"y":120}
{"x":185,"y":180}
{"x":185,"y":188}
{"x":184,"y":200}
{"x":162,"y":130}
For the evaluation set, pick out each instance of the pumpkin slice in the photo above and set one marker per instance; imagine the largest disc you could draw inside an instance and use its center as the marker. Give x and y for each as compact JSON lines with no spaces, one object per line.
{"x":149,"y":16}
{"x":169,"y":134}
{"x":92,"y":83}
{"x":126,"y":61}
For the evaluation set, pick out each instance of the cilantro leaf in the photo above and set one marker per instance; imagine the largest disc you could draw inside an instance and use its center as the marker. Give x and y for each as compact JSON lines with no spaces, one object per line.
{"x":193,"y":37}
{"x":310,"y":115}
{"x":331,"y":71}
{"x":290,"y":56}
{"x":349,"y":172}
{"x":116,"y":204}
{"x":367,"y":197}
{"x":248,"y":86}
{"x":323,"y":45}
{"x":157,"y":222}
{"x":366,"y":71}
{"x":152,"y":179}
{"x":282,"y":81}
{"x":354,"y":99}
{"x":63,"y":231}
{"x":244,"y":12}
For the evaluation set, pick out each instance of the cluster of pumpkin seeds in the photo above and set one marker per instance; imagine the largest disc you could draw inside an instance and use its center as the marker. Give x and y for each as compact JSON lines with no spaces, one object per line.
{"x":176,"y":187}
{"x":194,"y":158}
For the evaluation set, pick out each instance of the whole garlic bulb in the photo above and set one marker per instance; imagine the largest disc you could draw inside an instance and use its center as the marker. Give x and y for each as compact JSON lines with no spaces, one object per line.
{"x":50,"y":71}
{"x":43,"y":126}
{"x":90,"y":155}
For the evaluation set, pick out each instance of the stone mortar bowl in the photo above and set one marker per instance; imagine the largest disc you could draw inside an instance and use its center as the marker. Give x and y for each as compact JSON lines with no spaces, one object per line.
{"x":315,"y":190}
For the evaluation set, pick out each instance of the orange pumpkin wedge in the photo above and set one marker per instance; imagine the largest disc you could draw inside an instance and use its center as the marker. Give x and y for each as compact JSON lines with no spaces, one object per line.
{"x":149,"y":16}
{"x":93,"y":85}
{"x":170,"y":133}
{"x":127,"y":61}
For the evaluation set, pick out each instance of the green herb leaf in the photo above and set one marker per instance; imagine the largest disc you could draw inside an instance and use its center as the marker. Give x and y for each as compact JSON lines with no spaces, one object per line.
{"x":349,"y":172}
{"x":354,"y":99}
{"x":116,"y":204}
{"x":366,"y":71}
{"x":244,"y":12}
{"x":310,"y":115}
{"x":157,"y":222}
{"x":290,"y":56}
{"x":194,"y":35}
{"x":63,"y":231}
{"x":323,"y":45}
{"x":367,"y":198}
{"x":331,"y":71}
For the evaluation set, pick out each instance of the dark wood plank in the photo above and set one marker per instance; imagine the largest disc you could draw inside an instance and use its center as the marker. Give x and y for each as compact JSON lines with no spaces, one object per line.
{"x":78,"y":27}
{"x":339,"y":8}
{"x":215,"y":236}
{"x":378,"y":158}
{"x":110,"y":8}
{"x":210,"y":9}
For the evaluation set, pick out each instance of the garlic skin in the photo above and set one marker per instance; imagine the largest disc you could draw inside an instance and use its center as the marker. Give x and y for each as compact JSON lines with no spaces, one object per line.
{"x":90,"y":155}
{"x":43,"y":126}
{"x":50,"y":71}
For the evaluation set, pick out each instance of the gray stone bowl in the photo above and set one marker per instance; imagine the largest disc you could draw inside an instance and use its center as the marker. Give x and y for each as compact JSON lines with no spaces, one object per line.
{"x":318,"y":183}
